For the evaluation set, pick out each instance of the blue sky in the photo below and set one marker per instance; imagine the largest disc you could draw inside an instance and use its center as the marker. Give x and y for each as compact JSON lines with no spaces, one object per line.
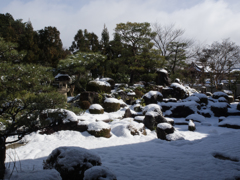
{"x":205,"y":21}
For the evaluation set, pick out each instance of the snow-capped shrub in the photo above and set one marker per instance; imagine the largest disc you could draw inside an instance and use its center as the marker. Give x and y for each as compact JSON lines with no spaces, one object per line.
{"x":203,"y":97}
{"x":96,"y":109}
{"x":219,"y":109}
{"x":217,"y":95}
{"x":111,"y":105}
{"x":99,"y":172}
{"x":71,"y":162}
{"x":99,"y":86}
{"x":192,"y":98}
{"x":99,"y":129}
{"x":152,"y":97}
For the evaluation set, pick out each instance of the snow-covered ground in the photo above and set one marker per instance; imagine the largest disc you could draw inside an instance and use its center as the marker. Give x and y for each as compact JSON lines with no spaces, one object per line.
{"x":140,"y":157}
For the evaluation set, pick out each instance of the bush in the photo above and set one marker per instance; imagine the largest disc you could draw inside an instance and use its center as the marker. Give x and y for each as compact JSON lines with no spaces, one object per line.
{"x":99,"y":86}
{"x":85,"y":104}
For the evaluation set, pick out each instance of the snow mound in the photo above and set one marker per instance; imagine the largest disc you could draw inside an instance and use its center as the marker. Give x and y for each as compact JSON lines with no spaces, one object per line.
{"x":175,"y":136}
{"x":111,"y":100}
{"x":98,"y":126}
{"x":151,"y":107}
{"x":96,"y":106}
{"x":152,"y":93}
{"x":196,"y":117}
{"x":164,"y":126}
{"x":99,"y":172}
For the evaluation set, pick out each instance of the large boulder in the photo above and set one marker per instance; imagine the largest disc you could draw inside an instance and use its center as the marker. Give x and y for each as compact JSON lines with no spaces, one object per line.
{"x":162,"y":77}
{"x":163,"y":129}
{"x":152,"y":97}
{"x":71,"y":162}
{"x":181,"y":109}
{"x":99,"y":172}
{"x":99,"y":129}
{"x":99,"y":86}
{"x":111,"y":105}
{"x":179,"y":91}
{"x":153,"y":116}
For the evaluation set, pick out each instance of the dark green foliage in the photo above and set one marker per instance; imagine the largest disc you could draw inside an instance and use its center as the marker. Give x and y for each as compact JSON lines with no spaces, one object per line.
{"x":85,"y":42}
{"x":111,"y":107}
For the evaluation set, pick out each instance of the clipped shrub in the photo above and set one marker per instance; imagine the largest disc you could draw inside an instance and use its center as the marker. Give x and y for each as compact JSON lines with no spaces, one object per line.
{"x":96,"y":109}
{"x":71,"y":162}
{"x":99,"y":86}
{"x":111,"y":105}
{"x":99,"y":129}
{"x":85,"y":104}
{"x":217,"y":95}
{"x":220,"y":109}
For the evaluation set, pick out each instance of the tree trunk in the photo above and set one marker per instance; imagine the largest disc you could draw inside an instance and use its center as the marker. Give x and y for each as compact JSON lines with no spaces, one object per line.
{"x":132,"y":78}
{"x":2,"y":155}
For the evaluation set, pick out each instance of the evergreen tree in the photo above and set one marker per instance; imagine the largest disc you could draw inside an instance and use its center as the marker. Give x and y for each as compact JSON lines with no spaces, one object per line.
{"x":85,"y":42}
{"x":136,"y":37}
{"x":50,"y":44}
{"x":82,"y":66}
{"x":25,"y":93}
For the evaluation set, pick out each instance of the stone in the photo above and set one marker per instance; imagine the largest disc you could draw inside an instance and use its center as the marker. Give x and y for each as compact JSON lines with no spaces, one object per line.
{"x":99,"y":172}
{"x":163,"y":129}
{"x":152,"y":97}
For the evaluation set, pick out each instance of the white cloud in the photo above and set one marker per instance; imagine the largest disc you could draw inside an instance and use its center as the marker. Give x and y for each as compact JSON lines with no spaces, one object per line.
{"x":207,"y":21}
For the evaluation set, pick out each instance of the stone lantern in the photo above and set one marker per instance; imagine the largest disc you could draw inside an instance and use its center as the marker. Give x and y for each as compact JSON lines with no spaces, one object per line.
{"x":62,"y":81}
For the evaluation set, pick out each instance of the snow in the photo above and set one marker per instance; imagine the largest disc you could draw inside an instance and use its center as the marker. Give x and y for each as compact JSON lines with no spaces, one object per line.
{"x":176,"y":85}
{"x":111,"y":100}
{"x":131,"y":94}
{"x":59,"y":75}
{"x":139,"y":118}
{"x":196,"y":117}
{"x":162,"y":70}
{"x":152,"y":93}
{"x":98,"y":126}
{"x":191,"y":123}
{"x":164,"y":126}
{"x":189,"y":155}
{"x":151,"y":107}
{"x":96,"y":106}
{"x":219,"y":93}
{"x":98,"y":171}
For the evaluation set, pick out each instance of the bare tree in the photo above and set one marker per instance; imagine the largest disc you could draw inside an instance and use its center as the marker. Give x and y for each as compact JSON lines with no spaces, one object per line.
{"x":220,"y":58}
{"x":165,"y":35}
{"x":176,"y":49}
